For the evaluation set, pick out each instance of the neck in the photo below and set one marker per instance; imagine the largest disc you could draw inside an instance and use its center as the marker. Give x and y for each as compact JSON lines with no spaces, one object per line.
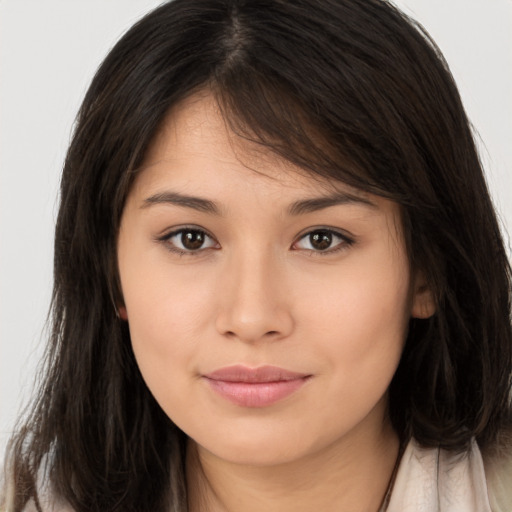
{"x":353,"y":474}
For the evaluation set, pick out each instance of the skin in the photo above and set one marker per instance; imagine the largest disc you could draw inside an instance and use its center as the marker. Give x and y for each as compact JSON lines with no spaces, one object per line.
{"x":259,"y":292}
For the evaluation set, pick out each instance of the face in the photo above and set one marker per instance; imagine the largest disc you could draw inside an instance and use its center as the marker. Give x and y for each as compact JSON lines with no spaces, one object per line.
{"x":266,"y":307}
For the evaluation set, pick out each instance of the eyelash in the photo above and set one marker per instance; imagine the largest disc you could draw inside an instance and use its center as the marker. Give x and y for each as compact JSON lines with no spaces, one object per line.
{"x":344,"y":243}
{"x":166,"y":239}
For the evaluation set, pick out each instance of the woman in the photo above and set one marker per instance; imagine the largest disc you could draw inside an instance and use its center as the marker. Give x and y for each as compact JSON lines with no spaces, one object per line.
{"x":279,"y":279}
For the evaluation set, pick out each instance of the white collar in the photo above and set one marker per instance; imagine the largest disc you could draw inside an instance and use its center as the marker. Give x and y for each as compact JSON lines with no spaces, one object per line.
{"x":435,"y":480}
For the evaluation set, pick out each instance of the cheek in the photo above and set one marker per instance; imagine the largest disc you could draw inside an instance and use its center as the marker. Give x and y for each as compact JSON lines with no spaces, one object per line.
{"x":360,"y":317}
{"x":167,"y":307}
{"x":165,"y":324}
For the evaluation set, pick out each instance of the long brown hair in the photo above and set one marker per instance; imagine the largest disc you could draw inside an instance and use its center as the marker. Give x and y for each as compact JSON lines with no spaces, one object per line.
{"x":348,"y":89}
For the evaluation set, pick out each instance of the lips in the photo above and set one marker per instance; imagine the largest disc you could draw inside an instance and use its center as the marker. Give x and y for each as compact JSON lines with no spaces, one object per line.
{"x":255,"y":387}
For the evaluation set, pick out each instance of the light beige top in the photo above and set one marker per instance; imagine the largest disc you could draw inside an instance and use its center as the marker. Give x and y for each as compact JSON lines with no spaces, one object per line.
{"x":428,"y":480}
{"x":434,"y":480}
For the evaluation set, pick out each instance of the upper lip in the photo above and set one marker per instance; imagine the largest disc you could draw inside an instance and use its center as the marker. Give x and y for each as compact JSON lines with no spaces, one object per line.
{"x":240,"y":373}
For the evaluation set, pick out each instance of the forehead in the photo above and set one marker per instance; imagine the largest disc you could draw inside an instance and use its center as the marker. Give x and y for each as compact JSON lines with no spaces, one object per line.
{"x":196,"y":129}
{"x":197,"y":164}
{"x":196,"y":144}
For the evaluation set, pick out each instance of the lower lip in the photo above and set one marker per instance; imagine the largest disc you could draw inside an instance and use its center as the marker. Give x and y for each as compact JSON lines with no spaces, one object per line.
{"x":256,"y":394}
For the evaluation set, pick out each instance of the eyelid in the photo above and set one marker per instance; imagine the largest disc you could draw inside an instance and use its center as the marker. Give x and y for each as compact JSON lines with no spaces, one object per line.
{"x":172,"y":232}
{"x":347,"y":240}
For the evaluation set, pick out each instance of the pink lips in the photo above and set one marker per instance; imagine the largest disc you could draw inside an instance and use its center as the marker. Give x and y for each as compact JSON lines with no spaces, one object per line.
{"x":255,"y":387}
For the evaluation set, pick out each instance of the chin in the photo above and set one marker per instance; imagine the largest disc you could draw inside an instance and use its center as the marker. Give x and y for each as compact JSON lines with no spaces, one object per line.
{"x":260,"y":445}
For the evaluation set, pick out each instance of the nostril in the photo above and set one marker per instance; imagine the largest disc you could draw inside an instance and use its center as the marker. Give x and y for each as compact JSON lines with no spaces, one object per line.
{"x":239,"y":320}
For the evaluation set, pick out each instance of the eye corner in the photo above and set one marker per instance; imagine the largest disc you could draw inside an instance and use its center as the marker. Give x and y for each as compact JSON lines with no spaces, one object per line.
{"x":323,"y":241}
{"x":199,"y":240}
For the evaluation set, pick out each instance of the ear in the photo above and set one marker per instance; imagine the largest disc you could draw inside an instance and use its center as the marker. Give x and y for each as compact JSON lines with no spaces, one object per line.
{"x":423,"y":302}
{"x":121,"y":311}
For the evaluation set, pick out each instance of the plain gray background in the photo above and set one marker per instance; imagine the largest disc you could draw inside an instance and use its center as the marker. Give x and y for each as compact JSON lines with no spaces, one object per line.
{"x":49,"y":50}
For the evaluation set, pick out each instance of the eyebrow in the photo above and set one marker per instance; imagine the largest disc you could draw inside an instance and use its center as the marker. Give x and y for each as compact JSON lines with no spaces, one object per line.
{"x":297,"y":208}
{"x":319,"y":203}
{"x":196,"y":203}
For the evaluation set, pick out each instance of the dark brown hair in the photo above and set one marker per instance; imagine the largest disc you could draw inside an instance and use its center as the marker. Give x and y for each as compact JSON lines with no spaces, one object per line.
{"x":347,"y":89}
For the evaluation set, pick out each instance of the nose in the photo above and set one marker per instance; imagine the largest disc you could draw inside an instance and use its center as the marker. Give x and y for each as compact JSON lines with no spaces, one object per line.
{"x":254,"y":300}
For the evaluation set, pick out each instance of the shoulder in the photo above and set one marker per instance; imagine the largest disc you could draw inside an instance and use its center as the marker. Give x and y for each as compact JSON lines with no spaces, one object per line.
{"x":47,"y":501}
{"x":498,"y":471}
{"x":437,"y":480}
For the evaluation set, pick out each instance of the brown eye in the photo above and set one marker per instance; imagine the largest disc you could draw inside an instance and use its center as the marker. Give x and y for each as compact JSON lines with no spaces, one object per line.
{"x":192,"y":240}
{"x":189,"y":240}
{"x":322,"y":240}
